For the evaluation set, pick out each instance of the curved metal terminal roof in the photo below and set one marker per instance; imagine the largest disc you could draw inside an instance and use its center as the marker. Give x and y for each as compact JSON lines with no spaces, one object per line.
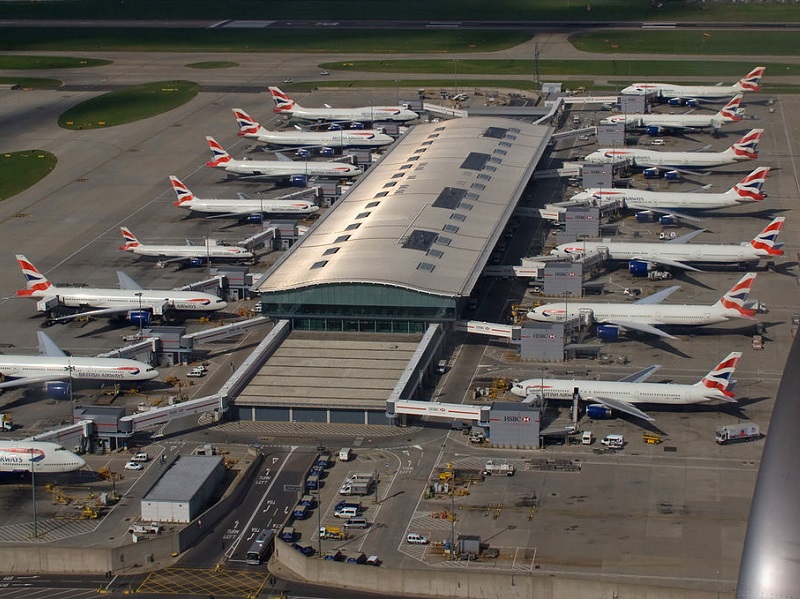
{"x":426,"y":216}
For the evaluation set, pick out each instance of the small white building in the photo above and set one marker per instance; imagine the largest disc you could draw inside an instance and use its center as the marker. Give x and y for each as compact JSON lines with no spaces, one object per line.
{"x":184,"y":490}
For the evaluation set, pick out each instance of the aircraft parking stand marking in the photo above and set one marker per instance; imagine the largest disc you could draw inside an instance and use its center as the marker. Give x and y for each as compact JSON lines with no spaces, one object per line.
{"x":47,"y":531}
{"x":184,"y":581}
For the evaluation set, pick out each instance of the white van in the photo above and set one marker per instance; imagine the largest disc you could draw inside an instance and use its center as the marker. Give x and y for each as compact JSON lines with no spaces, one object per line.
{"x":346,"y":512}
{"x":345,"y":453}
{"x":613,"y":441}
{"x":587,"y":438}
{"x":416,"y":539}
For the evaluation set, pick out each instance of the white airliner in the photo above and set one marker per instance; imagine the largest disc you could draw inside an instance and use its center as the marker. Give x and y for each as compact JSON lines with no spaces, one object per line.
{"x":130,"y":298}
{"x":657,"y":124}
{"x":244,"y":206}
{"x":621,"y":395}
{"x":689,"y":94}
{"x":340,"y":138}
{"x":647,"y":314}
{"x":748,"y":190}
{"x":211,"y":250}
{"x":744,"y":149}
{"x":56,"y":369}
{"x":40,"y":456}
{"x":676,"y":253}
{"x":285,"y":105}
{"x":296,"y":173}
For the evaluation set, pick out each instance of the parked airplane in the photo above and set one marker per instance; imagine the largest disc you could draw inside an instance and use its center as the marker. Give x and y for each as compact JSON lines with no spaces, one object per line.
{"x":749,"y":189}
{"x":647,"y":314}
{"x":296,"y":173}
{"x":657,"y":124}
{"x":604,"y":396}
{"x":194,"y":254}
{"x":653,"y":161}
{"x":131,"y":299}
{"x":244,"y":206}
{"x":325,"y":140}
{"x":692,"y":94}
{"x":676,"y":253}
{"x":285,"y":105}
{"x":42,"y":457}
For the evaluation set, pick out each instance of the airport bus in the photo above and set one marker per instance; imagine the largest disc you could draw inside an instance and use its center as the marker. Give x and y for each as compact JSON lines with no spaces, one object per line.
{"x":261,"y":547}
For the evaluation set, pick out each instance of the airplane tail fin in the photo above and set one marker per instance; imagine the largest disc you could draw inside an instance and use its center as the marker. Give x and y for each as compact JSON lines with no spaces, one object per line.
{"x":746,"y":147}
{"x":749,"y":188}
{"x":767,"y":241}
{"x":283,"y":103}
{"x":752,"y":81}
{"x":734,"y":302}
{"x":731,"y":112}
{"x":220,"y":156}
{"x":721,"y":376}
{"x":130,"y":239}
{"x":247,"y":124}
{"x":35,"y":282}
{"x":183,"y":193}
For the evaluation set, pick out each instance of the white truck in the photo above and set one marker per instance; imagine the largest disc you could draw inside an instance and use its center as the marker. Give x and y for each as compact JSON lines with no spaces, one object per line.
{"x":746,"y":431}
{"x":492,"y":467}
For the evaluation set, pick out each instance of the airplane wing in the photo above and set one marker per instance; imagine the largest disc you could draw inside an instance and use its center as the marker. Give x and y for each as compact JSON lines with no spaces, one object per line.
{"x":674,"y":213}
{"x":163,"y":260}
{"x":667,"y":262}
{"x":282,"y":157}
{"x":243,"y":196}
{"x":641,"y":376}
{"x":234,"y":214}
{"x":687,"y":237}
{"x":621,"y":406}
{"x":125,"y":282}
{"x":659,"y":296}
{"x":32,"y":380}
{"x":48,"y":347}
{"x":99,"y":312}
{"x":189,"y":242}
{"x":639,"y":326}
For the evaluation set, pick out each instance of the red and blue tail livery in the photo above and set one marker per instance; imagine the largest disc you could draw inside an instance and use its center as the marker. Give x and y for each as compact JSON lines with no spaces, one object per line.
{"x":752,"y":81}
{"x":181,"y":191}
{"x":220,"y":156}
{"x":750,"y":188}
{"x":35,"y":282}
{"x":746,"y":146}
{"x":736,"y":298}
{"x":721,"y":377}
{"x":767,"y":240}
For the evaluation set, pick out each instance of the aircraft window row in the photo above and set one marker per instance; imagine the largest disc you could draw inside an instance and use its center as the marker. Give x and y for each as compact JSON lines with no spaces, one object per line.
{"x":435,"y":253}
{"x":341,"y":239}
{"x":372,"y":204}
{"x":426,"y":266}
{"x":319,"y":264}
{"x":363,"y":214}
{"x":330,"y":251}
{"x":458,"y":217}
{"x":450,"y":228}
{"x":442,"y":240}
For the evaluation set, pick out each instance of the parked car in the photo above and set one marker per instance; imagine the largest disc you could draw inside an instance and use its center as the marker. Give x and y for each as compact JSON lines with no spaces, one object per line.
{"x":416,"y":539}
{"x":141,"y":457}
{"x":288,"y":80}
{"x":324,"y":73}
{"x":134,"y":466}
{"x":198,"y":371}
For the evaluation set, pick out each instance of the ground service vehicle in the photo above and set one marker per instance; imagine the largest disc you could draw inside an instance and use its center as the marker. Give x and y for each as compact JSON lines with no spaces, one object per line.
{"x":324,"y":460}
{"x":346,"y":512}
{"x":300,"y":512}
{"x":416,"y":539}
{"x":746,"y":431}
{"x":261,"y":547}
{"x":287,"y":534}
{"x":344,"y":454}
{"x":134,"y":466}
{"x":356,"y":487}
{"x":587,"y":438}
{"x":140,"y":457}
{"x":492,"y":467}
{"x":356,"y":523}
{"x":613,"y":441}
{"x":332,"y":532}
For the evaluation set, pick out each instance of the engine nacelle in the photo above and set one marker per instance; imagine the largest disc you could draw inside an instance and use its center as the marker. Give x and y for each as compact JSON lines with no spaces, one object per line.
{"x":650,"y":173}
{"x":57,"y":390}
{"x":654,"y":130}
{"x":645,"y":217}
{"x":302,"y":153}
{"x":672,"y":176}
{"x":254,"y":219}
{"x":326,"y":151}
{"x":606,"y":332}
{"x":139,"y":318}
{"x":639,"y":268}
{"x":196,"y":262}
{"x":675,"y":102}
{"x":598,"y":411}
{"x":668,"y":220}
{"x":692,"y":102}
{"x":298,"y":180}
{"x":357,"y":125}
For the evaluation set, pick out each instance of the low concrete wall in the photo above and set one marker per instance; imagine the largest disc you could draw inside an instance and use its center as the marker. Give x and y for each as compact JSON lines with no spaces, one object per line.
{"x":462,"y":582}
{"x":56,"y":560}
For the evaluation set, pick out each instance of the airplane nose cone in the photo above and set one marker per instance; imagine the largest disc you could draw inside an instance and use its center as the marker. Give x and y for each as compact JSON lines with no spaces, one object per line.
{"x":79,"y":463}
{"x":220,"y":305}
{"x":151,"y":374}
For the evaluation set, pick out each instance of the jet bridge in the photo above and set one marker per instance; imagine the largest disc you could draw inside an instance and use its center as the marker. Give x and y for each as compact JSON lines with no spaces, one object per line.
{"x":491,"y":329}
{"x":478,"y":414}
{"x":222,"y":332}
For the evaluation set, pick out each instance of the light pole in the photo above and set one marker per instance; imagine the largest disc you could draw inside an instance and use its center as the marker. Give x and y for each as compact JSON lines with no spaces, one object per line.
{"x":71,"y":396}
{"x":33,"y":493}
{"x":139,"y":296}
{"x":319,"y":523}
{"x":455,"y":72}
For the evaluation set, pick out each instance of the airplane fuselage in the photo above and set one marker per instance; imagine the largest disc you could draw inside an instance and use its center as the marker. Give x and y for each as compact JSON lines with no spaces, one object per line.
{"x":716,"y":93}
{"x":679,"y":252}
{"x":77,"y":368}
{"x":282,"y":169}
{"x":655,"y":393}
{"x":638,"y":199}
{"x":652,"y":158}
{"x":658,"y":314}
{"x":677,"y":121}
{"x":250,"y":206}
{"x":210,"y":251}
{"x":343,"y":138}
{"x":40,"y":456}
{"x":158,"y":301}
{"x":361,"y":114}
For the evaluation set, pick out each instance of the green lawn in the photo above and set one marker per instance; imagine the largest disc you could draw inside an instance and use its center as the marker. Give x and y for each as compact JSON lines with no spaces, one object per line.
{"x":31,"y":82}
{"x":772,"y":43}
{"x":21,"y":170}
{"x":49,"y":62}
{"x":128,"y":105}
{"x":77,"y":39}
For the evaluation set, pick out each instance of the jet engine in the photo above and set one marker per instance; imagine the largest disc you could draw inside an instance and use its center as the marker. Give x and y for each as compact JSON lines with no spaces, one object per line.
{"x":57,"y":390}
{"x":606,"y":332}
{"x":654,"y":129}
{"x":298,"y":180}
{"x":139,"y":318}
{"x":651,"y":173}
{"x":598,"y":411}
{"x":667,"y":220}
{"x":325,"y":151}
{"x":195,"y":262}
{"x":639,"y":268}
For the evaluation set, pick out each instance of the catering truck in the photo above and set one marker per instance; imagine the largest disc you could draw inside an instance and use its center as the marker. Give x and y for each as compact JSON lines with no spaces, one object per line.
{"x":744,"y":431}
{"x":498,"y":468}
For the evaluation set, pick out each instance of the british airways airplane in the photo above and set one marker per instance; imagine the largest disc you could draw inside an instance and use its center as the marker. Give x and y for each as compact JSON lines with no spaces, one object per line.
{"x":55,"y":369}
{"x":211,"y":250}
{"x":285,"y":105}
{"x":621,"y":395}
{"x":676,"y":253}
{"x":691,"y":94}
{"x":340,"y":138}
{"x":648,"y":314}
{"x":131,"y":299}
{"x":37,"y":456}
